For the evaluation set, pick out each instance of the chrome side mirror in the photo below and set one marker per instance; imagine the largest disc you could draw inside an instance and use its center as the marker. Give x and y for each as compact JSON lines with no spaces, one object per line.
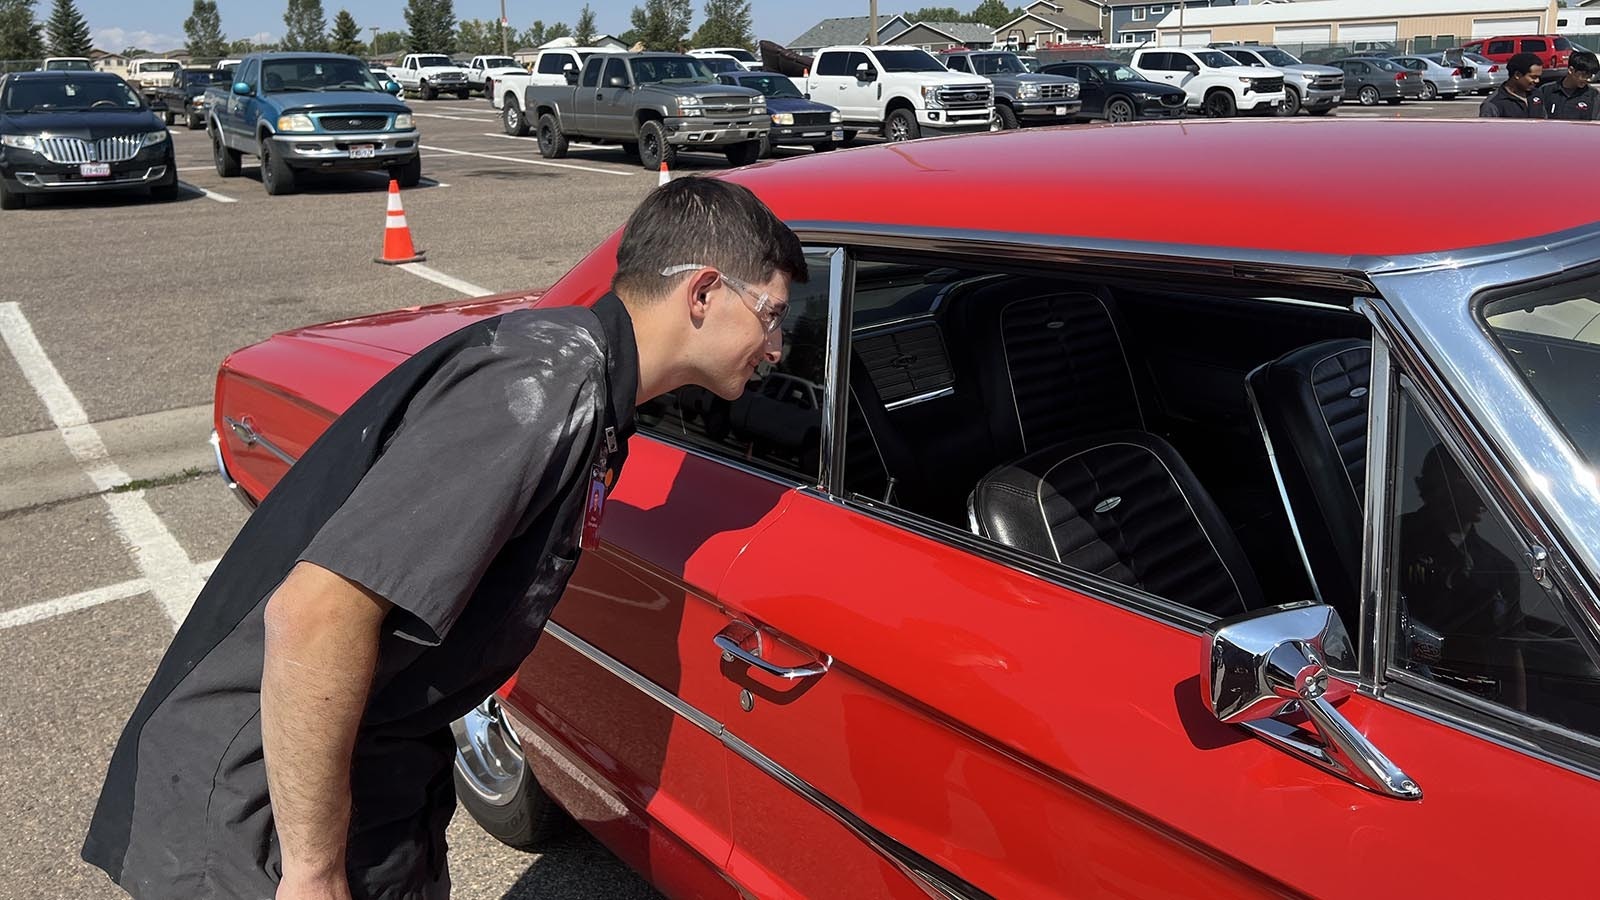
{"x":1283,"y":660}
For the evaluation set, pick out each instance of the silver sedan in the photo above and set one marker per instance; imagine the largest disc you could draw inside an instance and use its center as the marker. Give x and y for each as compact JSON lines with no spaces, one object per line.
{"x":1486,"y":74}
{"x":1438,"y":80}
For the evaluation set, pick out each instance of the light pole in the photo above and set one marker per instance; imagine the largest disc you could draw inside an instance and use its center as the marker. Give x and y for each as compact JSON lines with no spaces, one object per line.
{"x":504,"y":50}
{"x":872,"y":39}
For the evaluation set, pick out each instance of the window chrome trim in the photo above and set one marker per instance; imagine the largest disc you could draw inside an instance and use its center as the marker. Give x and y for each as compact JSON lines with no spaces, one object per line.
{"x":1373,"y":635}
{"x":903,"y":402}
{"x":1572,"y":751}
{"x":931,"y":878}
{"x":836,"y":368}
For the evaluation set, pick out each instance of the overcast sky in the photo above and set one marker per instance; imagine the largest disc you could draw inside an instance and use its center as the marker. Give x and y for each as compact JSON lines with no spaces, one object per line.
{"x":158,"y":24}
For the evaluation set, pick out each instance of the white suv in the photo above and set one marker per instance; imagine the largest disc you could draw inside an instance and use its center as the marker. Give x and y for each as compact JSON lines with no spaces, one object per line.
{"x":900,"y":91}
{"x":1215,"y":82}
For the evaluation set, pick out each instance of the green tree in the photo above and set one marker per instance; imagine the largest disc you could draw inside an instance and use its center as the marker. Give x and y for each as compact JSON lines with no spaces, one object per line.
{"x":346,"y":37}
{"x":558,"y":30}
{"x":584,"y":32}
{"x":21,"y":37}
{"x":478,"y":36}
{"x":68,"y":30}
{"x":204,"y":31}
{"x":387,"y":42}
{"x":431,"y":26}
{"x":727,"y":24}
{"x":244,"y":45}
{"x":937,"y":14}
{"x":993,"y":13}
{"x":305,"y":26}
{"x":662,"y":24}
{"x":538,"y":33}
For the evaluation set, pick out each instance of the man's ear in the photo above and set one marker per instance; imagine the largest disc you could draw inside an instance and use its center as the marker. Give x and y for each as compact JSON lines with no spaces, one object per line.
{"x":699,"y":293}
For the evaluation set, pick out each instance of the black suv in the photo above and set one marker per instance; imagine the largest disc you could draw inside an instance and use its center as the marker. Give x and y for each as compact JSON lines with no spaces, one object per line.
{"x":1112,"y":91}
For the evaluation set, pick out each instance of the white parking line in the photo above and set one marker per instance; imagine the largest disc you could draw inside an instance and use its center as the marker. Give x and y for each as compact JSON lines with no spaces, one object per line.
{"x":60,"y":606}
{"x":531,"y":162}
{"x":210,"y":195}
{"x":455,"y":118}
{"x":449,"y":281}
{"x":534,"y":141}
{"x":158,"y":555}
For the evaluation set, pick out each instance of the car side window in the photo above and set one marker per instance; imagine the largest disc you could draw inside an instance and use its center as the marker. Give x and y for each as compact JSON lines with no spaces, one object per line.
{"x":1536,"y":45}
{"x":776,"y":423}
{"x":248,"y":73}
{"x":958,"y":64}
{"x":553,"y":63}
{"x":616,"y":73}
{"x":833,"y":64}
{"x":1465,"y":611}
{"x":1501,"y":47}
{"x":856,"y":60}
{"x":591,"y":72}
{"x":1155,"y":62}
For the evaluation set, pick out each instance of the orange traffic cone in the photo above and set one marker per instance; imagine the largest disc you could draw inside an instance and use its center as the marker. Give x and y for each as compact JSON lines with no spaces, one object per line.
{"x":397,"y":246}
{"x":665,"y":175}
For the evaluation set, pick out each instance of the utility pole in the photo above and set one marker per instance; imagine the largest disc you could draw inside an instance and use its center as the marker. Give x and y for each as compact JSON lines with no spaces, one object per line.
{"x":504,"y":50}
{"x":1181,"y":6}
{"x":872,"y":39}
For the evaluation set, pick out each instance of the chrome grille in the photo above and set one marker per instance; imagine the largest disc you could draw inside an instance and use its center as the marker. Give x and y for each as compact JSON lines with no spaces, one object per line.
{"x":120,"y":148}
{"x":1329,"y":81}
{"x":334,"y":122}
{"x":963,"y":98}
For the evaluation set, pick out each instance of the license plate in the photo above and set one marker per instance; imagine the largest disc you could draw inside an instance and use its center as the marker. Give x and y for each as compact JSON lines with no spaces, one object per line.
{"x":95,"y":170}
{"x":838,"y":134}
{"x":363,"y":151}
{"x":1061,"y":110}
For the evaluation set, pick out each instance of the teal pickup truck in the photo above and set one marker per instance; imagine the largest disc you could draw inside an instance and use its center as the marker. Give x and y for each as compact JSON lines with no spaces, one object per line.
{"x":299,"y":112}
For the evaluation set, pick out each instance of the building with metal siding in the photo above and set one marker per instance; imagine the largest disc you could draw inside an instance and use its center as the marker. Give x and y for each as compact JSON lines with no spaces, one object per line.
{"x":1360,"y":24}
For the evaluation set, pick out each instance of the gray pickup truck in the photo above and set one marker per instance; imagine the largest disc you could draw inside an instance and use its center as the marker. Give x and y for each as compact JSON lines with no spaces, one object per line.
{"x":653,"y":104}
{"x":1021,"y":97}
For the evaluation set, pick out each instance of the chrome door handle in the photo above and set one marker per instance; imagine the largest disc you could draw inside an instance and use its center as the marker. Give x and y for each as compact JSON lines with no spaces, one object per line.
{"x":732,"y":648}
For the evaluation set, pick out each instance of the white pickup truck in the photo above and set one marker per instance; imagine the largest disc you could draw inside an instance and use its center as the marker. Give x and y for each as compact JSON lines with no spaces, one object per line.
{"x":548,"y":70}
{"x":145,"y":75}
{"x":900,"y":91}
{"x":431,"y":74}
{"x":1216,"y":84}
{"x":484,"y":71}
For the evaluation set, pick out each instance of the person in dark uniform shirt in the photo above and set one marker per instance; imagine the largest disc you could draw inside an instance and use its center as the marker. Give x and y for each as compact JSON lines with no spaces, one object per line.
{"x":295,"y":740}
{"x":1574,"y":97}
{"x":1518,"y":97}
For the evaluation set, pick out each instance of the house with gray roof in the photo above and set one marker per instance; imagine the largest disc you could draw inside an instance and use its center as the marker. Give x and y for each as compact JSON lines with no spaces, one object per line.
{"x":1045,"y":22}
{"x":937,"y":36}
{"x":848,"y":30}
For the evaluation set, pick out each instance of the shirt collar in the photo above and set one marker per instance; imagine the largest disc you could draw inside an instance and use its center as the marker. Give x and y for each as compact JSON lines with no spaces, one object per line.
{"x":622,"y":363}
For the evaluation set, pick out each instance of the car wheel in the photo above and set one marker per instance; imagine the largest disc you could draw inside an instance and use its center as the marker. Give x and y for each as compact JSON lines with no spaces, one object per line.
{"x":653,"y":147}
{"x":630,"y":149}
{"x":1219,"y":104}
{"x":409,"y":173}
{"x":512,"y":121}
{"x":168,"y":117}
{"x":227,"y":160}
{"x":276,"y":176}
{"x":488,"y":89}
{"x":10,"y":200}
{"x":849,"y":136}
{"x":1119,"y":110}
{"x":1007,"y":117}
{"x":743,"y":154}
{"x":765,"y":145}
{"x":464,"y":93}
{"x":194,"y":121}
{"x":1430,"y":91}
{"x":1291,"y":103}
{"x":494,"y":784}
{"x":428,"y":93}
{"x":1368,"y":95}
{"x":902,"y":126}
{"x":552,"y":140}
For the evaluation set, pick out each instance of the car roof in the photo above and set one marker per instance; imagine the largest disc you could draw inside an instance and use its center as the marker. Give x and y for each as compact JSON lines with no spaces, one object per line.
{"x":312,"y":54}
{"x":1168,"y":183}
{"x":65,"y":73}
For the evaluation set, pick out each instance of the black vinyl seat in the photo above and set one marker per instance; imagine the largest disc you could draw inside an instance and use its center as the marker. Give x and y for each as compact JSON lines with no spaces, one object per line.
{"x":1312,"y":406}
{"x":1124,"y":506}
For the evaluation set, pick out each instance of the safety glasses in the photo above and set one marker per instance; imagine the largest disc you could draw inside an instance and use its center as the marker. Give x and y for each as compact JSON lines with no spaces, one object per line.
{"x":769,"y":309}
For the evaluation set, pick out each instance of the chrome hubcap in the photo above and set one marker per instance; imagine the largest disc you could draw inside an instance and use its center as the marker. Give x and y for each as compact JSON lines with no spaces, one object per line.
{"x":897,"y":131}
{"x":488,"y":755}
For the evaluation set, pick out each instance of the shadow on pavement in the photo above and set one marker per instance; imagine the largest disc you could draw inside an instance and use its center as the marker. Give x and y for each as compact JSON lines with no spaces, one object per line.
{"x":576,"y":866}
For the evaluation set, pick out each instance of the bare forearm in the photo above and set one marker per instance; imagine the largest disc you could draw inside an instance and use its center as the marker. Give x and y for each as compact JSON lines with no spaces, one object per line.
{"x":321,"y":650}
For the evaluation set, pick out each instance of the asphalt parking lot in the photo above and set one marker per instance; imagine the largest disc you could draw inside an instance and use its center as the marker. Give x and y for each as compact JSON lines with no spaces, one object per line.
{"x":115,"y":313}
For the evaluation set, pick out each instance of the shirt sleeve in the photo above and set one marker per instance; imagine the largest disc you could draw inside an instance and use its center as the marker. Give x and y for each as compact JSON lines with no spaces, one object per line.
{"x":458,"y":476}
{"x":1487,"y":110}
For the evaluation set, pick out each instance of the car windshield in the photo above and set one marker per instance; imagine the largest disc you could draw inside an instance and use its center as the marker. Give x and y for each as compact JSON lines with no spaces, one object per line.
{"x":1215,"y":58}
{"x":770,"y":85}
{"x":1552,"y":337}
{"x":24,"y":95}
{"x":499,"y":62}
{"x":1030,"y":62}
{"x":1276,"y":57}
{"x":671,"y":70}
{"x":322,"y":74}
{"x":206,"y":77}
{"x":908,"y":61}
{"x":741,"y":55}
{"x":998,"y":64}
{"x":721,"y":65}
{"x":425,"y":62}
{"x":1118,"y":73}
{"x":68,"y":65}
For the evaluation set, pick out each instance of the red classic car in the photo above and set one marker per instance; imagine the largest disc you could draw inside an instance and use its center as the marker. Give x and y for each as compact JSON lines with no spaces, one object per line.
{"x":1159,"y":531}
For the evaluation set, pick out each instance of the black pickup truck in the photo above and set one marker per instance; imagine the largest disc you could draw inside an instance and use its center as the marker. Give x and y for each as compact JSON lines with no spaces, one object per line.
{"x":186,"y":96}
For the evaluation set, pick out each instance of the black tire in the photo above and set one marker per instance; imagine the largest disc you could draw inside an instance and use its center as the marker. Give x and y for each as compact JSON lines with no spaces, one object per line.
{"x":743,"y":154}
{"x":901,"y":126}
{"x":1394,"y":101}
{"x":1007,"y":116}
{"x":408,"y":173}
{"x":194,"y":121}
{"x":165,"y":193}
{"x":653,"y":147}
{"x":512,"y":121}
{"x":1119,"y":109}
{"x":488,"y":89}
{"x":849,"y":136}
{"x":524,"y":818}
{"x":10,"y":200}
{"x":226,"y":160}
{"x":1448,"y":97}
{"x":428,"y":93}
{"x":1368,"y":95}
{"x":1322,"y":112}
{"x":1430,"y":91}
{"x":1291,"y":103}
{"x":169,"y":117}
{"x":1219,"y":104}
{"x":765,"y":145}
{"x":276,"y":176}
{"x":464,"y":93}
{"x":552,"y":140}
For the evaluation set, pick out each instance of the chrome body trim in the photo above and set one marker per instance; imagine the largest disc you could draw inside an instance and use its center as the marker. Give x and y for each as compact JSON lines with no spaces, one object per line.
{"x":1375,"y":502}
{"x":1277,"y":479}
{"x":35,"y":180}
{"x":227,"y":477}
{"x":933,"y":880}
{"x":920,"y":398}
{"x":245,"y":430}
